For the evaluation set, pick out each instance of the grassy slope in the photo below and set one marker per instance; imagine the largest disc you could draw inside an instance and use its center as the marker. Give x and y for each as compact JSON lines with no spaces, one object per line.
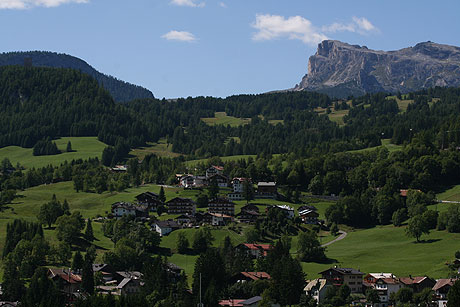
{"x":221,"y":118}
{"x":160,"y":149}
{"x":385,"y":143}
{"x":453,"y":194}
{"x":388,"y":249}
{"x":380,"y":249}
{"x":84,"y":148}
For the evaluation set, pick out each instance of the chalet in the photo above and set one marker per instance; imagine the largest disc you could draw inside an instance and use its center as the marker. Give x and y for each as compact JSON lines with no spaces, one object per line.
{"x":385,"y":288}
{"x":289,"y":211}
{"x":404,"y":192}
{"x":220,"y":219}
{"x":250,"y":207}
{"x":200,"y":181}
{"x":266,"y":190}
{"x":248,"y":277}
{"x":307,"y":207}
{"x":187,"y":181}
{"x":147,"y":197}
{"x":317,"y":289}
{"x":184,"y":219}
{"x":221,"y":180}
{"x":181,"y":205}
{"x":238,"y":184}
{"x":165,"y":227}
{"x":222,"y":206}
{"x":235,"y":196}
{"x":203,"y":217}
{"x":339,"y":276}
{"x":8,"y":304}
{"x":121,"y":208}
{"x":441,"y":288}
{"x":371,"y":278}
{"x":120,"y":168}
{"x":251,"y":302}
{"x":106,"y":270}
{"x":213,"y":170}
{"x":309,"y":216}
{"x":174,"y":271}
{"x":129,"y":286}
{"x":254,"y":250}
{"x":418,"y":283}
{"x":120,"y":275}
{"x":65,"y":280}
{"x":246,"y":216}
{"x":150,"y":199}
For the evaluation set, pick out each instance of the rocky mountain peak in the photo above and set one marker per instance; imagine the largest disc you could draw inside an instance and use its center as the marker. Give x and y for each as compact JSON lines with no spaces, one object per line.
{"x":341,"y":69}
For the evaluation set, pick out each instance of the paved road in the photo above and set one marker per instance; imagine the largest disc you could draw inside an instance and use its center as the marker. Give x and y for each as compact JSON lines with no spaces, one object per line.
{"x":342,"y":236}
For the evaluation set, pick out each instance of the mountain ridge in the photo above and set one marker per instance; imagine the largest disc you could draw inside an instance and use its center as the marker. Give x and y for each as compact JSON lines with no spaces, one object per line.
{"x":340,"y":69}
{"x":120,"y":90}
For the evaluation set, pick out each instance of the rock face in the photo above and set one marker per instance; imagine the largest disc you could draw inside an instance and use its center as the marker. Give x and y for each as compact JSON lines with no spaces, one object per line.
{"x":340,"y":69}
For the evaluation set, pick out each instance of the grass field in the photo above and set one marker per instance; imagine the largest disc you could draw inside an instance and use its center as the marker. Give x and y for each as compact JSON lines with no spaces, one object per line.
{"x":402,"y":103}
{"x":388,"y":249}
{"x":224,"y":159}
{"x":385,"y":143}
{"x":453,"y":194}
{"x":221,"y":118}
{"x":380,"y":249}
{"x":335,"y":116}
{"x":83,"y":148}
{"x":161,"y":149}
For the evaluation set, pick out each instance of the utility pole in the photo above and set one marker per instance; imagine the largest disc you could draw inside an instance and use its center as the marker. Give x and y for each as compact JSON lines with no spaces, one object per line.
{"x":200,"y":304}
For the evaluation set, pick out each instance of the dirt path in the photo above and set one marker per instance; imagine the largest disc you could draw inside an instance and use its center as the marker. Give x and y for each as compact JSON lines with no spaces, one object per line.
{"x":342,"y":236}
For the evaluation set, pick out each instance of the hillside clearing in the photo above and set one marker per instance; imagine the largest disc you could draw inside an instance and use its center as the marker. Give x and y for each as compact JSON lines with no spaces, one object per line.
{"x":83,"y":148}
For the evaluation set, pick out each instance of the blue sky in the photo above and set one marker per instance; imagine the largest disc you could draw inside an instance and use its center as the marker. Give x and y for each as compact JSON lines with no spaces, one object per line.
{"x":180,"y":48}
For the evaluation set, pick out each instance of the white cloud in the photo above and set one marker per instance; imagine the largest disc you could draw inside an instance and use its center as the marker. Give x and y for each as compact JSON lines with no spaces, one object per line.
{"x":364,"y":24}
{"x":27,"y":4}
{"x":359,"y":25}
{"x":222,"y":4}
{"x":191,"y":3}
{"x":182,"y":36}
{"x":296,"y":27}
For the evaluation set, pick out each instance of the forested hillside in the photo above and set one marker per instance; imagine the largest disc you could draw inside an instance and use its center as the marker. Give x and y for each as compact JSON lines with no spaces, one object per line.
{"x":36,"y":103}
{"x":120,"y":90}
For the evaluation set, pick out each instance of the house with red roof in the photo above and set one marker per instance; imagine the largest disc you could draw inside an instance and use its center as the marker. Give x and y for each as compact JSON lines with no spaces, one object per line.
{"x":66,"y":281}
{"x":418,"y":283}
{"x":441,"y":288}
{"x":242,"y":277}
{"x":254,"y":250}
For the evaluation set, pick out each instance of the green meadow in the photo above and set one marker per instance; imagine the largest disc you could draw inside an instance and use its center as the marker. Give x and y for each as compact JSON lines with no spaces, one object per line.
{"x":83,"y":148}
{"x":221,"y":118}
{"x":379,"y":249}
{"x":161,"y":149}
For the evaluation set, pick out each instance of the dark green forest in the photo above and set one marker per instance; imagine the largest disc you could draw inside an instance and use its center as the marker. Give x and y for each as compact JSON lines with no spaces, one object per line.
{"x":120,"y":90}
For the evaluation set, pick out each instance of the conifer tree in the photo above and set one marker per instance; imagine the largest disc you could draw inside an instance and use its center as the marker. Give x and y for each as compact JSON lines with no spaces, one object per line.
{"x":89,"y":231}
{"x":162,"y":196}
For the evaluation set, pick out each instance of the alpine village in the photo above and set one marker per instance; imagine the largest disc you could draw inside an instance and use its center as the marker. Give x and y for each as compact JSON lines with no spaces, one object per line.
{"x":342,"y":191}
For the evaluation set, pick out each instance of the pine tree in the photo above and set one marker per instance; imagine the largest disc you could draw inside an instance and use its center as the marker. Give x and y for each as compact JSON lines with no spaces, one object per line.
{"x":89,"y":231}
{"x":87,"y":274}
{"x":69,"y":147}
{"x":77,"y":261}
{"x":162,"y":196}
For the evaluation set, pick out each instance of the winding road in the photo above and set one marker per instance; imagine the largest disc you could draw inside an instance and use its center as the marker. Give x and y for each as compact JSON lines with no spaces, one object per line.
{"x":342,"y":236}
